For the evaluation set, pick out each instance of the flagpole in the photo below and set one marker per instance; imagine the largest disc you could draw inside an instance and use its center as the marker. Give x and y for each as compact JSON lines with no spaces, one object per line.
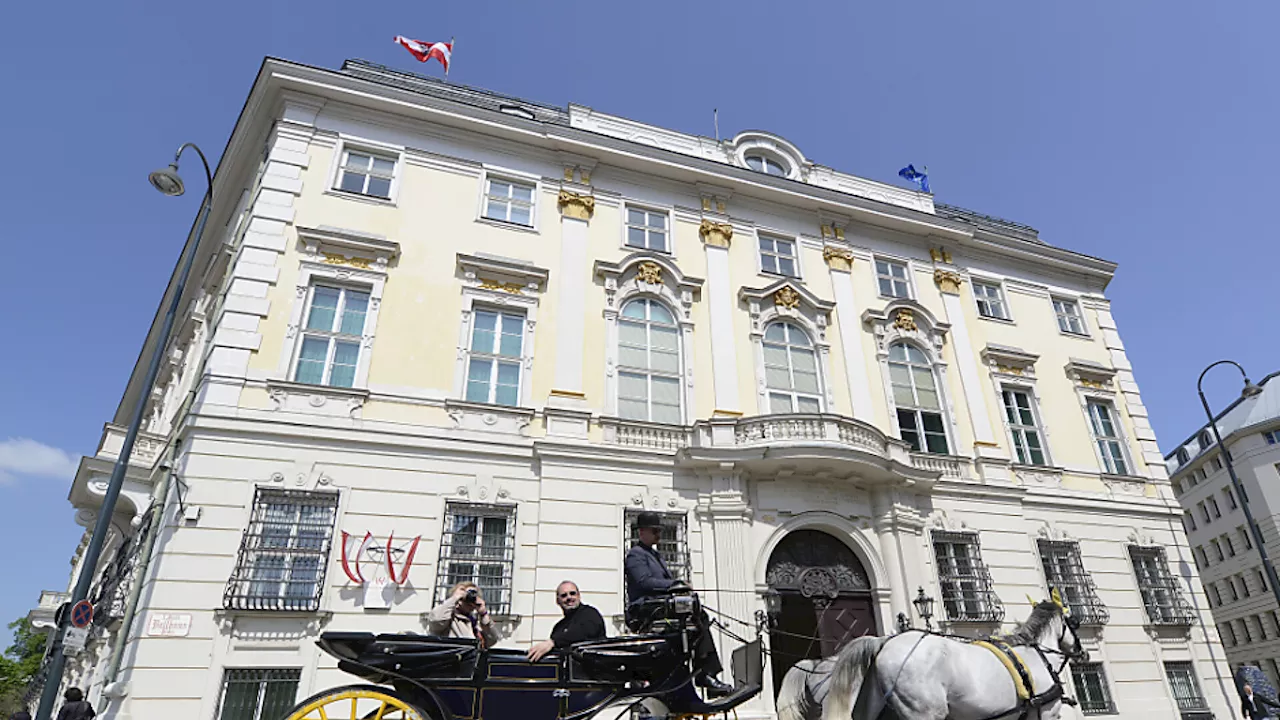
{"x":452,"y":45}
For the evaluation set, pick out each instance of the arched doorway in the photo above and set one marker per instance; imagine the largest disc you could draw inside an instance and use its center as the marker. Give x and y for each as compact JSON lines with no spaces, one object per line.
{"x":826,"y":599}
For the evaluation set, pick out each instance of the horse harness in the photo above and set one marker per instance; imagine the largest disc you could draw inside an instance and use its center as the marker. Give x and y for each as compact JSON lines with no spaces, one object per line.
{"x":1028,"y":700}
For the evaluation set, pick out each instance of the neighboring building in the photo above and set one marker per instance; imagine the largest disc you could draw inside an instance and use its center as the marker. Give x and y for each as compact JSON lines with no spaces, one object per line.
{"x":494,"y":330}
{"x":1243,"y":605}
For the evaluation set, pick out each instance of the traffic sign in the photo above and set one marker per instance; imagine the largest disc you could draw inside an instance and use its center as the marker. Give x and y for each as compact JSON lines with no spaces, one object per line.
{"x":74,"y":639}
{"x":82,"y":614}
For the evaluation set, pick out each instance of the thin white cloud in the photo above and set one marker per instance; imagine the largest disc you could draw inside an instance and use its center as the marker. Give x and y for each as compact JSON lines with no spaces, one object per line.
{"x":24,"y":456}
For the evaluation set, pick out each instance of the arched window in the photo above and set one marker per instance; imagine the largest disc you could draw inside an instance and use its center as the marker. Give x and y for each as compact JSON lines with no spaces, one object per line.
{"x":765,"y":164}
{"x":915,"y":395}
{"x":1205,"y":439}
{"x":791,"y":370}
{"x":648,"y":363}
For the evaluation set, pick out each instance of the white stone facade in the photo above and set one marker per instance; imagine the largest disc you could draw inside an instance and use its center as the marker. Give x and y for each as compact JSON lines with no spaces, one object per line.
{"x":548,"y":445}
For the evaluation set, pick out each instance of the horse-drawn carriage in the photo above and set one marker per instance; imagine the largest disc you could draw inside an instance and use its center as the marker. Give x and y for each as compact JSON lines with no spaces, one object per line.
{"x":417,"y":677}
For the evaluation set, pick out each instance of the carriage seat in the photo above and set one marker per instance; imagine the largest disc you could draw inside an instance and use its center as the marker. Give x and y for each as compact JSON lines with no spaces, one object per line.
{"x":378,"y":657}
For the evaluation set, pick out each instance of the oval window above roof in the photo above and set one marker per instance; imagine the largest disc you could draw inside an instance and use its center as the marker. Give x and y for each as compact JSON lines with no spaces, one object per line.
{"x":766,"y":165}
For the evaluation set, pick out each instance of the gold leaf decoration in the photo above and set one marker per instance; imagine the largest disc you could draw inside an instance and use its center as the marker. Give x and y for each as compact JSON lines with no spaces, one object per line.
{"x":905,"y":320}
{"x":649,"y":273}
{"x":786,"y":298}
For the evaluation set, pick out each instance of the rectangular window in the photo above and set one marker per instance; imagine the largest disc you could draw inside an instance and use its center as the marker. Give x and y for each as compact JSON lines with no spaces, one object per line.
{"x":331,"y":336}
{"x":1160,"y":591}
{"x":1217,"y":549}
{"x":967,"y":592}
{"x":646,"y":229}
{"x":1244,"y":535}
{"x":1231,"y":547}
{"x":1090,"y":682}
{"x":478,"y":546}
{"x":1069,"y":318}
{"x":1186,"y":689}
{"x":923,"y":431}
{"x":990,"y":301}
{"x":1262,"y":579}
{"x":1231,"y":585}
{"x":1244,"y":585}
{"x":258,"y":694}
{"x":1107,"y":436}
{"x":1213,"y":505}
{"x":892,"y":279}
{"x":493,"y":368}
{"x":1022,"y":426}
{"x":1188,"y":522}
{"x":778,"y":256}
{"x":1275,"y":621}
{"x":1272,"y":437}
{"x":673,"y":546}
{"x":1244,"y":631}
{"x":1202,"y":560}
{"x":509,"y":201}
{"x":1230,"y":498}
{"x":365,"y":173}
{"x":1204,"y":511}
{"x":284,"y":551}
{"x":1215,"y":463}
{"x":1215,"y":597}
{"x":1064,"y":571}
{"x":1227,"y":634}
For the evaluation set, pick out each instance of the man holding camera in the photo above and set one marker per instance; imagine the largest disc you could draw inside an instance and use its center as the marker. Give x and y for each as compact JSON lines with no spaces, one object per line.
{"x":647,"y":577}
{"x":463,"y":615}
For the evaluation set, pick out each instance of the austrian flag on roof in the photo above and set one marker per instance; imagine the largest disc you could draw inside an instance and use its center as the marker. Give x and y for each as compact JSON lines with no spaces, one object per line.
{"x":424,"y":51}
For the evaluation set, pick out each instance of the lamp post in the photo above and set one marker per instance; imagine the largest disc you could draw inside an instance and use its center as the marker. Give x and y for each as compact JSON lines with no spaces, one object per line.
{"x":168,"y":182}
{"x":1249,"y":390}
{"x":924,"y":608}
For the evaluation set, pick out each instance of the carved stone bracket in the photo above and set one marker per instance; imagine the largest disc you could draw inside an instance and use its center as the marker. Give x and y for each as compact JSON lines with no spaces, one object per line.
{"x":905,"y":319}
{"x":575,"y":205}
{"x":483,"y":490}
{"x":786,"y":297}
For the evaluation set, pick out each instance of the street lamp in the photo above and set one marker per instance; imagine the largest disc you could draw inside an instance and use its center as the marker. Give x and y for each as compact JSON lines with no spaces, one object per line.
{"x":1249,"y":390}
{"x":772,"y":609}
{"x":168,"y":182}
{"x":924,"y":607}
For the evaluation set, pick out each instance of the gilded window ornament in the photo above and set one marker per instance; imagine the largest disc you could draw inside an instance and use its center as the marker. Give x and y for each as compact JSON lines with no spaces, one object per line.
{"x":580,"y":207}
{"x":716,"y":234}
{"x":649,"y":273}
{"x":838,"y":258}
{"x":510,"y":287}
{"x":786,"y":298}
{"x":356,"y":262}
{"x":905,"y":320}
{"x":940,"y":255}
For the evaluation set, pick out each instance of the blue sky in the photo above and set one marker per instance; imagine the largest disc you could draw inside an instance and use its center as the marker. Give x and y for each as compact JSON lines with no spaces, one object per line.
{"x":1142,"y":132}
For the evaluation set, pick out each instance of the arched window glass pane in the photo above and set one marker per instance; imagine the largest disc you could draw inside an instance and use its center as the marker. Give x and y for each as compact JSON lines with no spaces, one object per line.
{"x":648,"y":363}
{"x":915,"y":396}
{"x":791,"y":370}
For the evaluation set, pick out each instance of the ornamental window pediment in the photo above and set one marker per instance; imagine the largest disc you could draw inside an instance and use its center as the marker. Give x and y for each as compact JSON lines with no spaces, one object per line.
{"x":506,"y":275}
{"x":906,"y":320}
{"x":348,"y":248}
{"x":787,"y":299}
{"x":648,"y":273}
{"x":1010,"y":361}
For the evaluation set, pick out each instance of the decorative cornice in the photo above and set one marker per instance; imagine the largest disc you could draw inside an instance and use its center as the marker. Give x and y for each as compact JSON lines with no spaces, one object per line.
{"x":948,"y":281}
{"x":502,"y":274}
{"x":1091,"y":375}
{"x":574,"y":205}
{"x":1006,"y":360}
{"x":838,"y":258}
{"x":715,"y":234}
{"x":336,"y":246}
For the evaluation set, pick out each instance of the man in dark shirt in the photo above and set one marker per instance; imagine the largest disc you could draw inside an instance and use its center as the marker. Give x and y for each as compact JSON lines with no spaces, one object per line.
{"x":648,"y":576}
{"x":580,"y":622}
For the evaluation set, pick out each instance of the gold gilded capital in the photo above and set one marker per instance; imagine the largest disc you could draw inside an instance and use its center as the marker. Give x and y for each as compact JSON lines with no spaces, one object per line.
{"x":716,"y":234}
{"x":940,"y":255}
{"x":838,"y":258}
{"x":948,"y":281}
{"x":573,"y":205}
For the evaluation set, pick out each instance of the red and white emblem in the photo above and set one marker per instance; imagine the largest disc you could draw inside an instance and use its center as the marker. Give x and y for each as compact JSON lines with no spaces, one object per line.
{"x":424,"y":51}
{"x":379,"y":586}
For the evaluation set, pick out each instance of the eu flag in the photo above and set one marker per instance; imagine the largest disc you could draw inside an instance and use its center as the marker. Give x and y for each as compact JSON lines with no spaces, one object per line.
{"x":919,"y":177}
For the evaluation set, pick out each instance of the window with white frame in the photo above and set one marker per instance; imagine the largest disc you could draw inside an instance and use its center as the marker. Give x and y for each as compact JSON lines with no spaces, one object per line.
{"x":1069,"y":318}
{"x":283,"y":552}
{"x":766,"y":165}
{"x":648,"y":363}
{"x":891,"y":276}
{"x":647,"y":229}
{"x":1106,"y":433}
{"x":1185,"y":686}
{"x":916,"y":399}
{"x":495,"y":359}
{"x":990,"y":300}
{"x":791,"y":370}
{"x":258,"y":693}
{"x":673,"y":545}
{"x":509,"y":201}
{"x":1090,"y":681}
{"x":366,"y":173}
{"x":778,"y":256}
{"x":331,"y":336}
{"x":967,"y":589}
{"x":478,"y":546}
{"x":1160,"y":591}
{"x":1023,"y":426}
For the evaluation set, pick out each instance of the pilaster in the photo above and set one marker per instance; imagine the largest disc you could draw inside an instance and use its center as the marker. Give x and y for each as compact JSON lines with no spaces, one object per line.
{"x":716,"y":233}
{"x":1144,"y":434}
{"x":840,"y":263}
{"x":577,"y":206}
{"x":728,"y":509}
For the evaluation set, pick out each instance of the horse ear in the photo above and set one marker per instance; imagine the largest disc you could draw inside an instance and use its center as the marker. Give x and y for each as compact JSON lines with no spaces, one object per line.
{"x":1033,"y":602}
{"x":1057,"y":600}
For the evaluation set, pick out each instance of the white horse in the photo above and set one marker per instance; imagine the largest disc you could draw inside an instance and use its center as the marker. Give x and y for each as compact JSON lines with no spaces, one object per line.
{"x":923,"y":676}
{"x":807,"y":684}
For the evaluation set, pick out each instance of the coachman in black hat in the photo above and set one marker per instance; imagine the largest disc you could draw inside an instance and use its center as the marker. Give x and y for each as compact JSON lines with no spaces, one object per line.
{"x":648,"y":576}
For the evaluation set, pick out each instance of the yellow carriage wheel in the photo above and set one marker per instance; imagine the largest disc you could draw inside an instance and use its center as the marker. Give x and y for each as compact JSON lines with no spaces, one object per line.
{"x":357,"y":702}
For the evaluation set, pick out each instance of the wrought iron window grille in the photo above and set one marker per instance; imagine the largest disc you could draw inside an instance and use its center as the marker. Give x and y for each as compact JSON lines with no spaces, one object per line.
{"x":258,"y":694}
{"x":1092,"y":692}
{"x":478,"y":545}
{"x":673,"y":546}
{"x":968,"y":593}
{"x":1064,"y":571}
{"x":284,"y":552}
{"x":111,"y":592}
{"x":1186,"y":688}
{"x":1161,"y":593}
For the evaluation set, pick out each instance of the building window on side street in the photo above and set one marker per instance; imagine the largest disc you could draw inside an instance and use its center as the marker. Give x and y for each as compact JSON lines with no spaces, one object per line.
{"x":1213,"y":505}
{"x":892,"y":279}
{"x":1231,"y":585}
{"x":1231,"y":499}
{"x":1202,"y":560}
{"x":478,"y":546}
{"x":990,"y":301}
{"x":1204,"y":511}
{"x":496,"y":357}
{"x":258,"y":693}
{"x":648,"y":363}
{"x":1244,"y":585}
{"x":1185,"y":686}
{"x":365,"y":173}
{"x":1188,"y":521}
{"x":1090,"y":683}
{"x":1107,"y":435}
{"x":332,"y":336}
{"x":1217,"y":549}
{"x":673,"y":545}
{"x":1215,"y":463}
{"x":1244,"y":627}
{"x":646,"y":229}
{"x":1215,"y":598}
{"x":1262,"y":579}
{"x":778,"y":256}
{"x":1069,"y":318}
{"x":1064,"y":570}
{"x":284,"y":552}
{"x":916,"y":399}
{"x":1160,"y":591}
{"x":967,"y":589}
{"x":509,"y":201}
{"x":791,"y":370}
{"x":1244,"y":534}
{"x":1231,"y":547}
{"x":1023,"y":426}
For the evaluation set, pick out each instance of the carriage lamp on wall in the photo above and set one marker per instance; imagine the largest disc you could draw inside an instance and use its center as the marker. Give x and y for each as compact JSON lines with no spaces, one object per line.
{"x":924,"y":607}
{"x":772,"y":609}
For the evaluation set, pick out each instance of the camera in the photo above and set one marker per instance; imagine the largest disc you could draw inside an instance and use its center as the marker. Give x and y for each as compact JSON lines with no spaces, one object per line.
{"x":472,"y":595}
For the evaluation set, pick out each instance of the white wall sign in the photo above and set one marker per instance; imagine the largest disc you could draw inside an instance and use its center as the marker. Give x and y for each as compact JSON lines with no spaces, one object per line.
{"x":169,"y":624}
{"x":73,"y":641}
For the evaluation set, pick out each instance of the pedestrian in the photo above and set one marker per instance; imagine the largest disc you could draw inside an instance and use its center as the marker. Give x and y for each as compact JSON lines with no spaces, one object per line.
{"x":1254,"y":706}
{"x":20,"y":715}
{"x":75,"y":707}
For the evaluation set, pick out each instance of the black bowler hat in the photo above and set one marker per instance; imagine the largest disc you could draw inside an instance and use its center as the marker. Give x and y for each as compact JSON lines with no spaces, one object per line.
{"x":649,"y":520}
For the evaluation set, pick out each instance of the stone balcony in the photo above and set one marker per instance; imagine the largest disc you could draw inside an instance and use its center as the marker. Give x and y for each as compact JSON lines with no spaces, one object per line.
{"x":147,"y":448}
{"x":42,"y":616}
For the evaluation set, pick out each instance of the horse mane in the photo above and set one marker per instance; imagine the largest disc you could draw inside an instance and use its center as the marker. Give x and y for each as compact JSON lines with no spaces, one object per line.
{"x":1028,"y":632}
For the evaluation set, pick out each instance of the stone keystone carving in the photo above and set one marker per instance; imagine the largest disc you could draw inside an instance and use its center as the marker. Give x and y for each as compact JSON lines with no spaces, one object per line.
{"x":786,"y":298}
